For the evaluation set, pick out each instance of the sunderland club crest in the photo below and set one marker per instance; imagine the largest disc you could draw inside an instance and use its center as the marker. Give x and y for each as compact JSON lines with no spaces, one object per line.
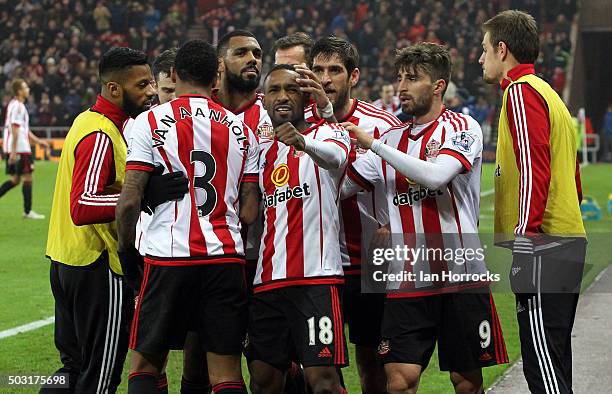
{"x":266,"y":131}
{"x":432,"y":148}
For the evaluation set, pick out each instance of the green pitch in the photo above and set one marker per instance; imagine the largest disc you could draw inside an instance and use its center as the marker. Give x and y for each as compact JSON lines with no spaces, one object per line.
{"x":26,"y":296}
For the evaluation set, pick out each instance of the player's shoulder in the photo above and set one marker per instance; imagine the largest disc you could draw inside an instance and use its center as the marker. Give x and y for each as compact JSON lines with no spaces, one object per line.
{"x":459,"y":122}
{"x":394,"y":132}
{"x":376,"y":115}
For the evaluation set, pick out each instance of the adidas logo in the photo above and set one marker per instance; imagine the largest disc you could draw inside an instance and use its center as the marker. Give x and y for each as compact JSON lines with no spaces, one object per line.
{"x":515,"y":270}
{"x":519,"y":307}
{"x":485,"y":357}
{"x":325,"y":353}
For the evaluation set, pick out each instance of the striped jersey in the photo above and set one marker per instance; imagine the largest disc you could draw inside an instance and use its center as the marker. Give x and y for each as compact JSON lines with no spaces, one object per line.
{"x":357,"y":230}
{"x":395,"y":107}
{"x":17,"y":114}
{"x":444,"y":218}
{"x":300,"y":245}
{"x":255,"y":116}
{"x":216,"y":151}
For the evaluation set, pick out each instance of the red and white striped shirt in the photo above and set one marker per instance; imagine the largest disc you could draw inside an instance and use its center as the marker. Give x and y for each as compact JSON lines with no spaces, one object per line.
{"x":395,"y":107}
{"x":254,"y":115}
{"x":357,"y":230}
{"x":17,"y":115}
{"x":300,"y":245}
{"x":217,"y":152}
{"x":421,"y":214}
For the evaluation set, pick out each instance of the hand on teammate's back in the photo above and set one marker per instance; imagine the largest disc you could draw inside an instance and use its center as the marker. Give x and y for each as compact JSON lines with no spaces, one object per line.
{"x":289,"y":135}
{"x":163,"y":188}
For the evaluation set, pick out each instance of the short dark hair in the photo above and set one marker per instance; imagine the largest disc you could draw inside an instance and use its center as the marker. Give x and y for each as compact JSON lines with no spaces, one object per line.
{"x":196,"y":62}
{"x":330,"y":46}
{"x":17,"y":85}
{"x":432,"y":59}
{"x":224,"y":41}
{"x":164,"y":62}
{"x":298,"y":38}
{"x":119,"y":59}
{"x":277,"y":67}
{"x":518,"y":30}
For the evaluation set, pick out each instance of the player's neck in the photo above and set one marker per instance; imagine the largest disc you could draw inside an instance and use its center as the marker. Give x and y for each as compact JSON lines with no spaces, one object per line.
{"x":300,"y":125}
{"x":508,"y":65}
{"x":183,"y":88}
{"x":20,"y":98}
{"x":431,"y":115}
{"x":343,"y":110}
{"x":233,"y":99}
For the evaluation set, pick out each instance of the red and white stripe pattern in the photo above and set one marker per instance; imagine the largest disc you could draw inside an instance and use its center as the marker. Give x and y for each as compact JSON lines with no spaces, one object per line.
{"x":92,"y":186}
{"x":17,"y":114}
{"x":395,"y":107}
{"x":357,"y":230}
{"x":418,"y":212}
{"x":216,"y":151}
{"x":255,"y":116}
{"x":300,"y":245}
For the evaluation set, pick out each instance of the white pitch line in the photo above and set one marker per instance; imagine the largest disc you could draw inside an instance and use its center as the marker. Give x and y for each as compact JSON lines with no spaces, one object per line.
{"x":487,"y":193}
{"x":27,"y":327}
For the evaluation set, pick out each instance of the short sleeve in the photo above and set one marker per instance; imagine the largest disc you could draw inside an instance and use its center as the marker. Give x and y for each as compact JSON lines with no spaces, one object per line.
{"x":333,"y":132}
{"x":366,"y":171}
{"x":251,"y":168}
{"x":140,"y":144}
{"x":465,"y":146}
{"x":17,"y":115}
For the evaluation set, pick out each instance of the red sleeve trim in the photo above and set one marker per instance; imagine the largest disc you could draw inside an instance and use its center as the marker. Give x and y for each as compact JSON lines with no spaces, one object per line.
{"x":250,"y":178}
{"x":139,"y":166}
{"x":465,"y":162}
{"x":344,"y":148}
{"x":358,"y":178}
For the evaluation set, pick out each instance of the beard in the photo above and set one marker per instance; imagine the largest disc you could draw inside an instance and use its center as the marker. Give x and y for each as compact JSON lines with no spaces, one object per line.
{"x":419,"y":106}
{"x":236,"y":82}
{"x":132,"y":108}
{"x":342,"y":97}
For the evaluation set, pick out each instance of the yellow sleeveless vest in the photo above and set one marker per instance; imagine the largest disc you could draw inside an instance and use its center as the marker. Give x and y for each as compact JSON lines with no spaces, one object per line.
{"x":562,"y":215}
{"x":82,"y":245}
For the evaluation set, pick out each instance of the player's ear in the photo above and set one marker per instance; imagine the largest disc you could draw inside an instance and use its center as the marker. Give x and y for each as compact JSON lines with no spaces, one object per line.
{"x":221,"y":65}
{"x":439,"y":87}
{"x":354,"y":77}
{"x":114,"y":89}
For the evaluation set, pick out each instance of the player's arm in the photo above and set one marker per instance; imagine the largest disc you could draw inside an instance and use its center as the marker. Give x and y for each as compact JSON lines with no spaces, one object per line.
{"x":128,"y":207}
{"x":362,"y":174}
{"x":329,"y":154}
{"x":37,"y":140}
{"x":530,"y":130}
{"x":90,"y":200}
{"x":128,"y":212}
{"x":249,"y":187}
{"x":428,"y":174}
{"x":309,"y":83}
{"x":14,"y":130}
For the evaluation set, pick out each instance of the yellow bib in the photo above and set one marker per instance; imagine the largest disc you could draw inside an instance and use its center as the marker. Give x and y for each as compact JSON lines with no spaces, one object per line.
{"x":82,"y":245}
{"x":562,"y":215}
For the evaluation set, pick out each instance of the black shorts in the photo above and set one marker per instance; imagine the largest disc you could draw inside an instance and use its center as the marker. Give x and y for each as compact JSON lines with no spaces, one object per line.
{"x":23,"y":165}
{"x":363,"y":312}
{"x":297,"y":322}
{"x":209,"y":299}
{"x":465,"y":326}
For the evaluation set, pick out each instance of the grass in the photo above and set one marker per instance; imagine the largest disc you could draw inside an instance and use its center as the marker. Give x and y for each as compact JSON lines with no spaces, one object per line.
{"x":26,"y":295}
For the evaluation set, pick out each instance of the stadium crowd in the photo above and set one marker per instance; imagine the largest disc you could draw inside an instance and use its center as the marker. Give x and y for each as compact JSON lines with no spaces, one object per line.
{"x":54,"y":44}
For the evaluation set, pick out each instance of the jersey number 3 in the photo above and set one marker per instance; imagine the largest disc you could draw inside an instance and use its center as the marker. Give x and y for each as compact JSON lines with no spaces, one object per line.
{"x":204,"y":191}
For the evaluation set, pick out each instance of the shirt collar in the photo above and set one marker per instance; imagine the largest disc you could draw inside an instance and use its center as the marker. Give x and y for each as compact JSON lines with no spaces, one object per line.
{"x":516,"y":72}
{"x":110,"y":110}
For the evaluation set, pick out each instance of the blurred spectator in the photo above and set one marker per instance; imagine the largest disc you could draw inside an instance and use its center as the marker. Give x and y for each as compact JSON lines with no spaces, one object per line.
{"x":607,"y":134}
{"x":55,"y":44}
